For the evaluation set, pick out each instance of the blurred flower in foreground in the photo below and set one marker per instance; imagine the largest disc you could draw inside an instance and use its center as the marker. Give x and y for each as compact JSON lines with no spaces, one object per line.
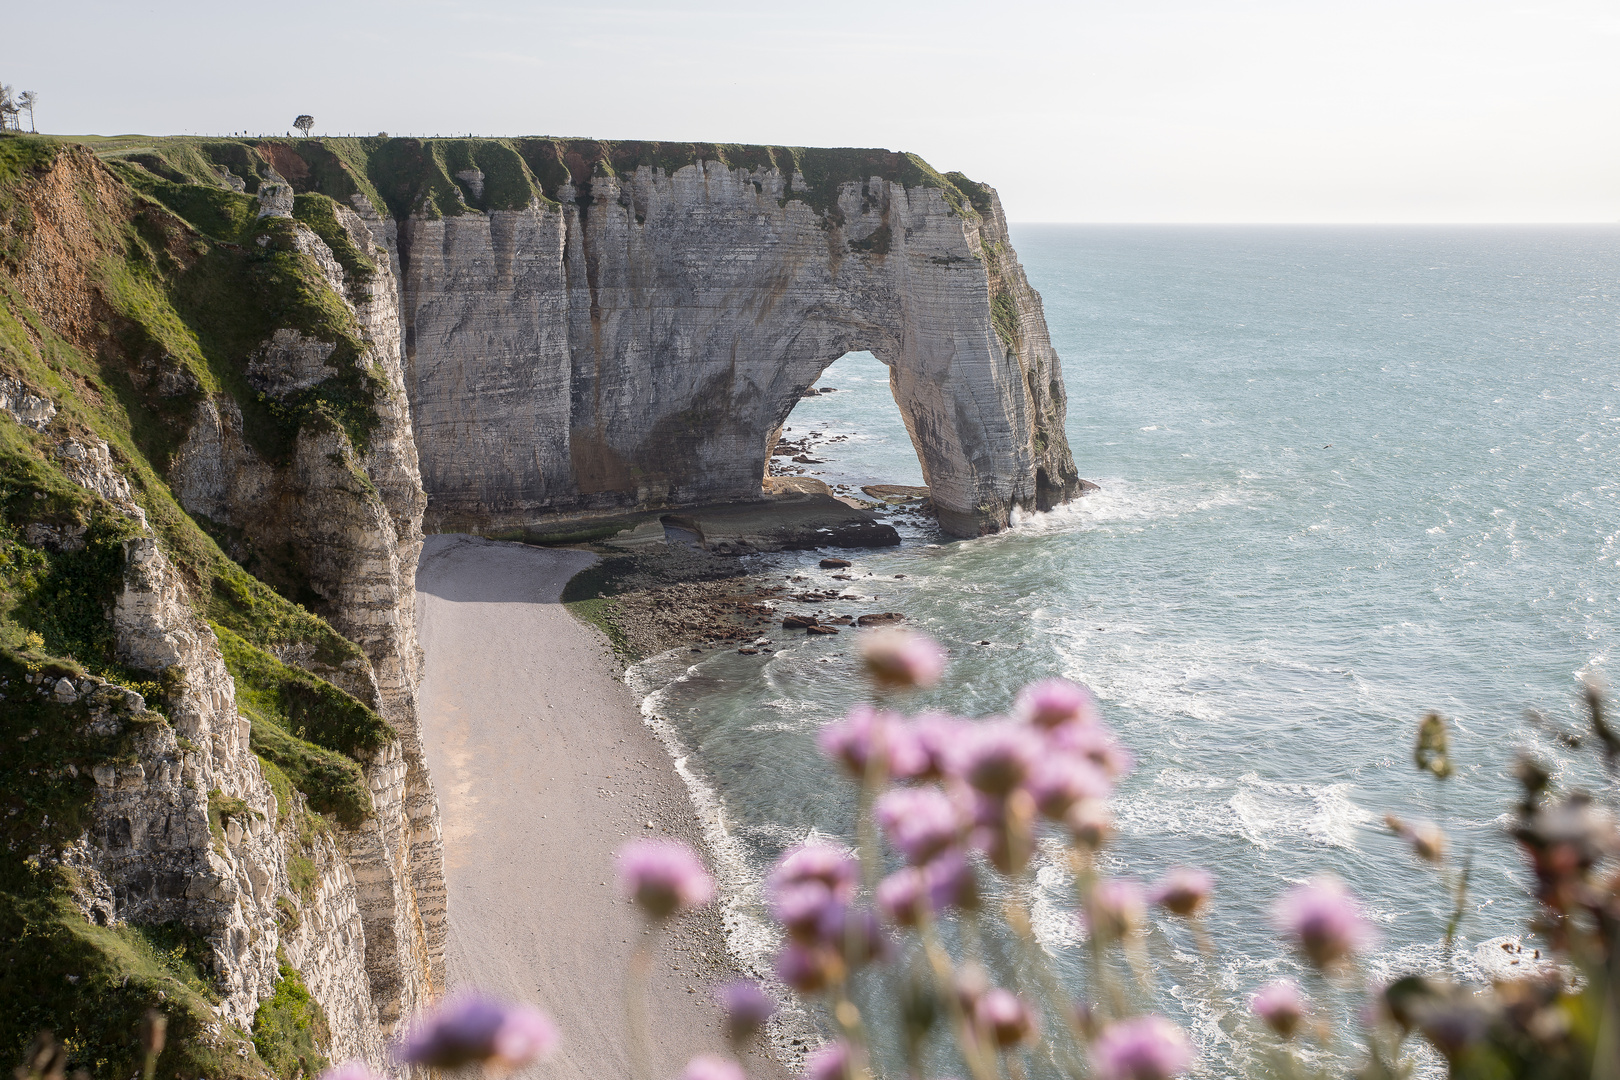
{"x":1280,"y":1006}
{"x":1052,"y":703}
{"x":831,"y":1062}
{"x":663,"y":877}
{"x":821,"y":863}
{"x":998,"y":756}
{"x":1004,"y":1018}
{"x":900,"y":658}
{"x":712,"y":1067}
{"x":1117,"y":908}
{"x":747,"y":1006}
{"x":806,"y":968}
{"x":1183,"y":890}
{"x":472,"y":1028}
{"x":1427,"y":840}
{"x":1090,"y":823}
{"x":871,"y":738}
{"x":1059,"y":780}
{"x":1324,"y":919}
{"x":350,"y":1070}
{"x":1141,"y":1048}
{"x":921,"y":822}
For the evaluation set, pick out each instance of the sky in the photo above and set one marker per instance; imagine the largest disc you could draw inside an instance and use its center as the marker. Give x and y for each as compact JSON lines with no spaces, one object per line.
{"x":1126,"y":111}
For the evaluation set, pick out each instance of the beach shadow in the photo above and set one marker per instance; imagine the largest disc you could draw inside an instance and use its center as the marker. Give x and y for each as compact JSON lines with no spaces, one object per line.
{"x":465,"y":569}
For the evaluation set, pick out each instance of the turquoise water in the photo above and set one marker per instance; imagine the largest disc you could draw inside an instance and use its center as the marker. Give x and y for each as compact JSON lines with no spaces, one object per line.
{"x":1349,"y":475}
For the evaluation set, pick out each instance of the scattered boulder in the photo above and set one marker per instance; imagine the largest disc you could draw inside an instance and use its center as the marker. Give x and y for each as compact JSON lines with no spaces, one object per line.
{"x":834,"y":564}
{"x":885,"y":618}
{"x":819,"y":629}
{"x":747,"y":651}
{"x":842,"y":577}
{"x":841,"y":620}
{"x":798,"y":622}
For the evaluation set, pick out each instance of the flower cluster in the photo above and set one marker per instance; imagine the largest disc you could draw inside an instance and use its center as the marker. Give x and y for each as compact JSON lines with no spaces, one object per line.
{"x":474,"y":1029}
{"x":952,"y":796}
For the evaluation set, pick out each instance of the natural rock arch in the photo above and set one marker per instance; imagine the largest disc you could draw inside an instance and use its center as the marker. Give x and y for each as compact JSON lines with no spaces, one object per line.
{"x":635,"y":343}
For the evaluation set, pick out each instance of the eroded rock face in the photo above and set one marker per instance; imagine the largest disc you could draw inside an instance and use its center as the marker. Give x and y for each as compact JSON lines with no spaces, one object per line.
{"x":641,"y":342}
{"x":354,"y":521}
{"x":151,"y":854}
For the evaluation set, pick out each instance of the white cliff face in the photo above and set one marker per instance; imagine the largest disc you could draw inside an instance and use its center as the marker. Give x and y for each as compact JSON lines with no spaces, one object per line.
{"x":354,"y":519}
{"x":640,"y":343}
{"x":151,"y":854}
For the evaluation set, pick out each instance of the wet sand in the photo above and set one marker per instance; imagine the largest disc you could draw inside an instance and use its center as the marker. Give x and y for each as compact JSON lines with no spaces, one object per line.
{"x":543,"y":769}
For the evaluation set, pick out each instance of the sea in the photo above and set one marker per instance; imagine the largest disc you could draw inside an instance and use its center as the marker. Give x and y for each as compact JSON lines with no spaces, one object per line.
{"x":1349,"y":475}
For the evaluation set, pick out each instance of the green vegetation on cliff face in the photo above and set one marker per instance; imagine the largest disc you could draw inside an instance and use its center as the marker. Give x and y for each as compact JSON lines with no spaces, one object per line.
{"x":289,"y":1030}
{"x":89,"y":984}
{"x":153,"y":295}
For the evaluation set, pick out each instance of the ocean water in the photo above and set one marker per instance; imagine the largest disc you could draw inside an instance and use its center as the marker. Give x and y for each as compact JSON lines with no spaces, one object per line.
{"x":1348,"y":475}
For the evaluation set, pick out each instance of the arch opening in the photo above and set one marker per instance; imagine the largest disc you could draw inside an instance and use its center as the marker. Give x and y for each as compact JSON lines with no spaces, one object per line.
{"x":849,"y":435}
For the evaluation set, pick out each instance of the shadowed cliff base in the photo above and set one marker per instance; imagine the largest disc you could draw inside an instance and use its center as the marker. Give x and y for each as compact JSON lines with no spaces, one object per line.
{"x":596,"y":327}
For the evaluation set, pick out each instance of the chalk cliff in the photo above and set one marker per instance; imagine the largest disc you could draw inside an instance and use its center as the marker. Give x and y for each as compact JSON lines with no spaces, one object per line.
{"x":638,"y":339}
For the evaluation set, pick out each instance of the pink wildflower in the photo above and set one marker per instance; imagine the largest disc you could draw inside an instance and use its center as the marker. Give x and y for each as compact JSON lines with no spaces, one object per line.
{"x":902,"y":895}
{"x":951,"y":882}
{"x":921,"y":822}
{"x":472,"y":1028}
{"x":941,"y":739}
{"x":1324,"y":919}
{"x":1096,"y":742}
{"x":1052,"y":703}
{"x":831,"y":1062}
{"x":747,"y":1007}
{"x":663,"y":877}
{"x":350,"y":1070}
{"x":870,"y":738}
{"x":799,"y":905}
{"x":1280,"y":1005}
{"x":804,"y":967}
{"x":1141,"y":1048}
{"x":1117,"y":908}
{"x":1059,"y":780}
{"x":901,"y":658}
{"x":854,"y":933}
{"x":712,"y":1067}
{"x":1004,"y":1018}
{"x":1090,"y":824}
{"x":815,"y":862}
{"x":1007,"y":835}
{"x":1183,"y":890}
{"x":998,"y":756}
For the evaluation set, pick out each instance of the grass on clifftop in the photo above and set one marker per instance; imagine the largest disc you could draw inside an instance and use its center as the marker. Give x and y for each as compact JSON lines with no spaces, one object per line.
{"x":406,"y":176}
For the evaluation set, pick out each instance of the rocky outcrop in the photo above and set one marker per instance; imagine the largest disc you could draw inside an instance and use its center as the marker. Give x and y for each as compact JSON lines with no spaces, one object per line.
{"x":640,"y":341}
{"x":190,"y":830}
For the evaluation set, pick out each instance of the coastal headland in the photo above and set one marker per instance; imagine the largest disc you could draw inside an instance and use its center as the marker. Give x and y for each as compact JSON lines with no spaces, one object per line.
{"x":241,"y":378}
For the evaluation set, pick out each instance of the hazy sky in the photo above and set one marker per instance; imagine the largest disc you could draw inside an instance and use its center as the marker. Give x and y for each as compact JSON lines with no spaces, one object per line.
{"x":1135,"y":110}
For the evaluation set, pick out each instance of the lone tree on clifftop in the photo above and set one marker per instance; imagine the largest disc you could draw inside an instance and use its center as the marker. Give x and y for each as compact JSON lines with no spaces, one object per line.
{"x":304,"y":123}
{"x":26,"y":102}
